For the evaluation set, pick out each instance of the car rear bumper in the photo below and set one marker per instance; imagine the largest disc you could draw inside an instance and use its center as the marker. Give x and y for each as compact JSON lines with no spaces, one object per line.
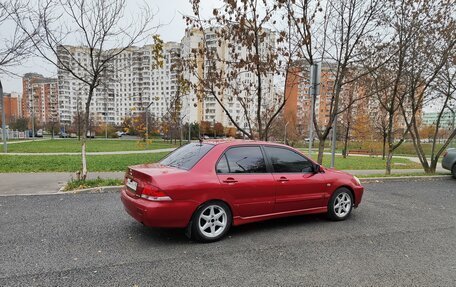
{"x":174,"y":214}
{"x":359,"y":191}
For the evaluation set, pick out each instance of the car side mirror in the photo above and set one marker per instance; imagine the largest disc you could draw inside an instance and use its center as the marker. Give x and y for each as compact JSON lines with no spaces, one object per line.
{"x":317,"y":168}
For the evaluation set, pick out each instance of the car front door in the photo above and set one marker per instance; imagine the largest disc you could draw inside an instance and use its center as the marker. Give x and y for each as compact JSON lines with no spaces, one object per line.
{"x":243,"y":175}
{"x":297,"y":185}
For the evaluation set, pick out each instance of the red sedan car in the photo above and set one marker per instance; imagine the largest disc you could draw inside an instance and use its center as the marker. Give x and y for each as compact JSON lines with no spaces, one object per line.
{"x":208,"y":187}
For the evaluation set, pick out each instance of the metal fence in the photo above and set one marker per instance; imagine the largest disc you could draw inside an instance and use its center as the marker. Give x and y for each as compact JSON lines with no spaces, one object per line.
{"x":15,"y":134}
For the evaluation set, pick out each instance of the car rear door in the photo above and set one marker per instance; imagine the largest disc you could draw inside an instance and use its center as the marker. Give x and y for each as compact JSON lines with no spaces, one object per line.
{"x":297,"y":185}
{"x":243,"y":175}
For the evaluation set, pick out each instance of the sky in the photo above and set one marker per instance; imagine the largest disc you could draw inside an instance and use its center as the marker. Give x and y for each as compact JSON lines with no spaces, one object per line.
{"x":168,"y":15}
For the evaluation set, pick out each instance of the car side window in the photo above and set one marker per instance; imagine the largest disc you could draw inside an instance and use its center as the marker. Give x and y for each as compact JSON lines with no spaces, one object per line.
{"x":287,"y":161}
{"x":222,"y":166}
{"x":246,"y":159}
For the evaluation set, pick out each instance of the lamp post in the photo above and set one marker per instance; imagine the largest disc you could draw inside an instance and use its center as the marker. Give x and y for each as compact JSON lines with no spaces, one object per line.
{"x":181,"y":128}
{"x":315,"y":71}
{"x":5,"y":148}
{"x":285,"y":134}
{"x":33,"y":116}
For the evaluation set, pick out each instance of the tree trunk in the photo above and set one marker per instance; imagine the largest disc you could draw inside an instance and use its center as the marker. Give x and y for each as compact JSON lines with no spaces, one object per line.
{"x":384,"y":148}
{"x":433,"y":166}
{"x":85,"y":127}
{"x":389,"y":160}
{"x":321,"y":149}
{"x":345,"y":151}
{"x":84,"y":159}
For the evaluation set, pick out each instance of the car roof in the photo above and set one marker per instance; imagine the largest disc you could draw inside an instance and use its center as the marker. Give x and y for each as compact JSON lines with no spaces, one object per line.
{"x":234,"y":142}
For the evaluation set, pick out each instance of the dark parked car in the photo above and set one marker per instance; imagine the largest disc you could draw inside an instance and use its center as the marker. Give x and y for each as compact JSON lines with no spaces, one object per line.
{"x":449,"y":161}
{"x":207,"y":187}
{"x":38,"y":133}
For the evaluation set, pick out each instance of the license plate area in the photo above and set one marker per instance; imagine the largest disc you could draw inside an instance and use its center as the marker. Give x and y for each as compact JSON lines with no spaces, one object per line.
{"x":131,"y":184}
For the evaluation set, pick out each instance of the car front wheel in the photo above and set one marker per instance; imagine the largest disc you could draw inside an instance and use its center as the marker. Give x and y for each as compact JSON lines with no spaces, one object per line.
{"x":340,"y":205}
{"x":211,"y":222}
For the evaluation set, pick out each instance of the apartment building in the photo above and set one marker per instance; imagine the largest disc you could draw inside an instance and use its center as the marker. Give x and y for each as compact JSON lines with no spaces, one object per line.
{"x":134,"y":82}
{"x":12,"y":106}
{"x":204,"y":106}
{"x":128,"y":86}
{"x":39,"y":98}
{"x":447,"y":119}
{"x":361,"y":107}
{"x":297,"y":108}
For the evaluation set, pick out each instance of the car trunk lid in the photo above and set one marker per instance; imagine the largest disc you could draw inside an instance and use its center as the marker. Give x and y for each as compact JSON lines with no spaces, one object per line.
{"x":139,"y":176}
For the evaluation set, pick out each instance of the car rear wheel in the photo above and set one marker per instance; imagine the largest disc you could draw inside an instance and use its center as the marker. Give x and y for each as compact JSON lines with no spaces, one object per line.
{"x":340,"y":205}
{"x":453,"y":171}
{"x":211,"y":222}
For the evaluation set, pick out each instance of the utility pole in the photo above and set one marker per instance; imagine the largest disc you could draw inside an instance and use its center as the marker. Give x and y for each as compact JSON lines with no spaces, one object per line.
{"x":334,"y":140}
{"x":314,"y":90}
{"x":33,"y":116}
{"x":189,"y":132}
{"x":285,"y":134}
{"x":5,"y":147}
{"x":189,"y":128}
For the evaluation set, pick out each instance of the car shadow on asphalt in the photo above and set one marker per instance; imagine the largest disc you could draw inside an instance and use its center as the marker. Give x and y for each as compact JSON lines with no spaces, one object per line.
{"x":278,"y":224}
{"x":154,"y":236}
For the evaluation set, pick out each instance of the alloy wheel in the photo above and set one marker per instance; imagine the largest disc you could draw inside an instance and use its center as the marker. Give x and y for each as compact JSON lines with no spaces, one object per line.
{"x":212,"y":221}
{"x":342,"y":204}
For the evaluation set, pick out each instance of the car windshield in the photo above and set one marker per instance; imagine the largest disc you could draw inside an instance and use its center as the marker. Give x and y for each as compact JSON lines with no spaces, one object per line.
{"x":187,"y":156}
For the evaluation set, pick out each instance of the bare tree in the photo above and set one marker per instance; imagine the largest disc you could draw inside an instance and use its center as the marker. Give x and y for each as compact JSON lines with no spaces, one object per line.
{"x":427,"y":32}
{"x":380,"y":128}
{"x":417,"y":49}
{"x":100,"y":27}
{"x":335,"y":39}
{"x":15,"y":44}
{"x":239,"y":64}
{"x":431,"y":73}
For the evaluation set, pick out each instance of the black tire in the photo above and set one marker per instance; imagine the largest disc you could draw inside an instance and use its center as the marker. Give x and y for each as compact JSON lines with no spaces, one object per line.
{"x":195,"y":225}
{"x":453,"y":171}
{"x":340,"y":213}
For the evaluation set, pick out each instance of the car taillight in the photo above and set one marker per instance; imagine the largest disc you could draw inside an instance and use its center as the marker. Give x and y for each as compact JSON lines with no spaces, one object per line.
{"x":153,"y":193}
{"x":445,"y":154}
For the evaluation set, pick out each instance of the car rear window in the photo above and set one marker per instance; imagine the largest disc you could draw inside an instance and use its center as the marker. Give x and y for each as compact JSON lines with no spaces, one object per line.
{"x":187,"y":156}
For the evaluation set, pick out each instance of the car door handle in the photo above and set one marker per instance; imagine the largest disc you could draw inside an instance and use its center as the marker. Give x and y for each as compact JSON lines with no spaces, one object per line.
{"x":230,"y":180}
{"x":282,"y":179}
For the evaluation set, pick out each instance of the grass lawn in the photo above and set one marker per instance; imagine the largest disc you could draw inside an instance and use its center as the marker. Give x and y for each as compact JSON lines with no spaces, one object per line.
{"x":93,"y":145}
{"x":82,"y":184}
{"x":358,"y":163}
{"x":405,"y":148}
{"x":402,"y":175}
{"x":71,"y":163}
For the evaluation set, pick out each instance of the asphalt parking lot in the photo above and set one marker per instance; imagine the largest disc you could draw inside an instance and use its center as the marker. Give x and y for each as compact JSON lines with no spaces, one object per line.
{"x":402,"y":234}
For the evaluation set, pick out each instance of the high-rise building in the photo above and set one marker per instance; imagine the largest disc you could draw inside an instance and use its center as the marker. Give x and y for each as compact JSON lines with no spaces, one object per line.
{"x":204,"y":107}
{"x":297,"y":90}
{"x":132,"y":82}
{"x":40,"y":98}
{"x":355,"y":101}
{"x":447,"y":119}
{"x":12,"y":106}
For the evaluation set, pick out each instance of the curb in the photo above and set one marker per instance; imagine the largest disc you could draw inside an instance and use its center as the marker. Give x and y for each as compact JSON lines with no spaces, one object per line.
{"x":403,"y":178}
{"x":99,"y":189}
